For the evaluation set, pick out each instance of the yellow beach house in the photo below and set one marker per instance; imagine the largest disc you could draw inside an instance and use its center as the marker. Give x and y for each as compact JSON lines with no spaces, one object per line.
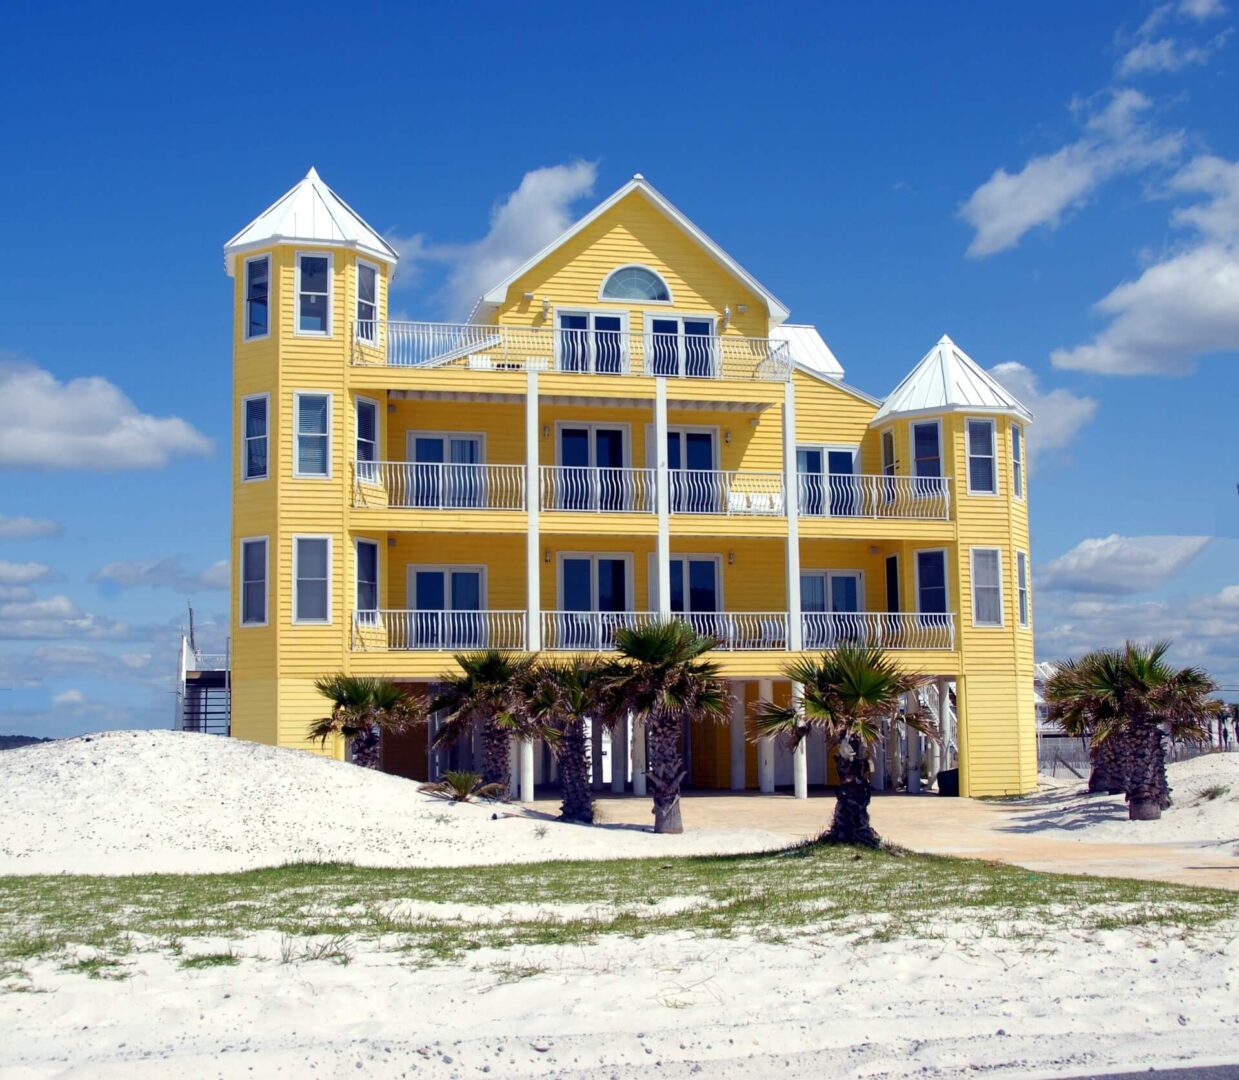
{"x":627,"y":426}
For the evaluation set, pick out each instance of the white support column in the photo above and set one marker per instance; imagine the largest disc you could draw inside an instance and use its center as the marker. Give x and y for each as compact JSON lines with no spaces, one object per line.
{"x":638,"y":755}
{"x":949,"y":736}
{"x":791,"y":498}
{"x":533,"y":502}
{"x":765,"y":747}
{"x":800,"y":756}
{"x":739,"y":747}
{"x":526,"y":746}
{"x":662,"y":502}
{"x":514,"y":768}
{"x":619,"y":756}
{"x":913,"y":737}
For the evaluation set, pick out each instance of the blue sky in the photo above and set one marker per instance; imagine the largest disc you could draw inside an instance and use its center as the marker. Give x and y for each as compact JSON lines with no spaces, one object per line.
{"x":1055,"y":185}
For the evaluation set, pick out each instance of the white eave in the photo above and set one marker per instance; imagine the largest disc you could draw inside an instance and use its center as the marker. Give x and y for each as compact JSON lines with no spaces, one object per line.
{"x":310,"y":213}
{"x":495,"y":296}
{"x":948,"y":380}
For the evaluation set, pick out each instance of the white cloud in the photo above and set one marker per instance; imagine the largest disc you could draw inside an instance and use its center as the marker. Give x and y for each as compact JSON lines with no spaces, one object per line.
{"x":56,"y":617}
{"x":1167,"y":55}
{"x":1114,"y":141}
{"x":16,"y":592}
{"x":26,"y":573}
{"x":85,"y":423}
{"x":1119,"y":565}
{"x":166,"y":573}
{"x":22,"y":528}
{"x":1058,"y":414}
{"x":521,"y":224}
{"x":69,"y":699}
{"x":1186,"y":305}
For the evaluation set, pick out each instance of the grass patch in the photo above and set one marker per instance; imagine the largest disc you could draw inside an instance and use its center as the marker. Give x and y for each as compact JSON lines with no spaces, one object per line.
{"x":97,"y":967}
{"x":1212,"y":792}
{"x":325,"y":912}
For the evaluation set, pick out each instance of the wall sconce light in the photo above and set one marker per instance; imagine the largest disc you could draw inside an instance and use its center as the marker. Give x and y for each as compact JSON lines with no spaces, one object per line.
{"x":546,"y":555}
{"x":742,"y":308}
{"x":391,"y":541}
{"x":528,"y":297}
{"x":390,"y":407}
{"x":546,"y":307}
{"x":731,"y":558}
{"x":727,"y":316}
{"x":874,"y":549}
{"x":546,"y":431}
{"x":727,"y":435}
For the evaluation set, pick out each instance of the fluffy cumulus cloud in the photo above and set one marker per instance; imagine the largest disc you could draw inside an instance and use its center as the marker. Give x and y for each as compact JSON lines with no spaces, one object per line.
{"x":26,"y":573}
{"x":85,"y":423}
{"x":69,"y":699}
{"x":1120,"y":565}
{"x":55,"y":618}
{"x":1059,"y":414}
{"x":165,"y":573}
{"x":1157,"y":47}
{"x":1115,"y":139}
{"x":521,"y":223}
{"x":23,"y":528}
{"x":1185,"y":305}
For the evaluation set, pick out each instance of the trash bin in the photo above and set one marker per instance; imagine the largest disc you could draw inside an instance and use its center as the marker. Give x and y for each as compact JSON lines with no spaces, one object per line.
{"x":948,"y":782}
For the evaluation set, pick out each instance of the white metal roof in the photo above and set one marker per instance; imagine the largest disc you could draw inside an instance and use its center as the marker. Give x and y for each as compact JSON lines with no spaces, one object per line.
{"x":497,"y":294}
{"x":808,"y":349}
{"x":948,"y":380}
{"x":309,"y":213}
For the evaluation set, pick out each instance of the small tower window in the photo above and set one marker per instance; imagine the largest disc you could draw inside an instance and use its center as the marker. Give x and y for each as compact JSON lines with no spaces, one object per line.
{"x":257,"y":297}
{"x":367,"y":303}
{"x":635,"y":283}
{"x":314,"y":294}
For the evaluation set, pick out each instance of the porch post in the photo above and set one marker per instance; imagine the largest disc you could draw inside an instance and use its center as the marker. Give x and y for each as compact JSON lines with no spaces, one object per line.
{"x":619,"y":756}
{"x":533,"y":503}
{"x":662,"y":502}
{"x":913,"y":737}
{"x":638,"y":754}
{"x":738,"y":746}
{"x":514,"y":768}
{"x":791,"y":500}
{"x":526,"y":770}
{"x":765,"y":747}
{"x":800,"y":756}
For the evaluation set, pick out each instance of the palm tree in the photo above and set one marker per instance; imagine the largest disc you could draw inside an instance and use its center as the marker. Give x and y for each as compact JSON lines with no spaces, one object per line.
{"x":556,"y":697}
{"x":851,"y":695}
{"x":484,"y":692}
{"x":1077,"y":709}
{"x":661,"y":678}
{"x":361,"y":708}
{"x":1133,"y":698}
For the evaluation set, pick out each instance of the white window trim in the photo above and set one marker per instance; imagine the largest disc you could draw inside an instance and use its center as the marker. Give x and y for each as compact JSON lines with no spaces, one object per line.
{"x":651,"y":451}
{"x":245,"y":298}
{"x":378,"y":574}
{"x":361,"y":399}
{"x":412,"y":435}
{"x":647,"y":330}
{"x":624,"y":427}
{"x":1023,"y":593}
{"x":861,"y":599}
{"x":298,"y":621}
{"x":1019,"y":466}
{"x":625,"y":332}
{"x":378,"y":290}
{"x":993,"y":432}
{"x":916,"y":576}
{"x":1002,"y":599}
{"x":635,"y":266}
{"x":838,"y":448}
{"x":245,"y":456}
{"x":912,"y":459}
{"x":652,"y":579}
{"x":266,"y":581}
{"x":331,"y":422}
{"x":630,"y":582}
{"x":331,"y":287}
{"x":410,"y":583}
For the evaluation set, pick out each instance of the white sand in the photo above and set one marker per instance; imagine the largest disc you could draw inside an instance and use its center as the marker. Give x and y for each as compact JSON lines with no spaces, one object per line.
{"x":163,"y":801}
{"x":1068,"y":812}
{"x":672,"y":1005}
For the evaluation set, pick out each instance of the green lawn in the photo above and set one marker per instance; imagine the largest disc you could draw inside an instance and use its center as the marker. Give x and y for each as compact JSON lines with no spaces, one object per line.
{"x":323,"y":912}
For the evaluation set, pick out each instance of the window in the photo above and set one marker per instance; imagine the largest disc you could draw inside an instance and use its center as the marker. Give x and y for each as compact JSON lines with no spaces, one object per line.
{"x":313,"y":416}
{"x":443,"y":470}
{"x":257,"y":297}
{"x":927,"y":449}
{"x":367,"y":582}
{"x":1021,"y":581}
{"x":892,"y":583}
{"x":367,"y":441}
{"x":827,"y":480}
{"x":311,"y":588}
{"x":888,"y":453}
{"x":1017,"y":460}
{"x":982,"y":475}
{"x":254,"y":582}
{"x":314,"y":294}
{"x":589,"y":341}
{"x":986,"y":587}
{"x":254,"y":440}
{"x":635,"y":283}
{"x":681,"y":347}
{"x":448,"y":604}
{"x":367,"y":302}
{"x":931,"y":582}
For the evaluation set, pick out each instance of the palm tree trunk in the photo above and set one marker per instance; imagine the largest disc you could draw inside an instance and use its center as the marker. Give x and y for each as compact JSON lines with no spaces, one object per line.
{"x":851,"y":821}
{"x":1106,"y":759}
{"x":572,"y":755}
{"x":1147,"y":781}
{"x":496,"y":754}
{"x":665,"y":771}
{"x":365,"y":749}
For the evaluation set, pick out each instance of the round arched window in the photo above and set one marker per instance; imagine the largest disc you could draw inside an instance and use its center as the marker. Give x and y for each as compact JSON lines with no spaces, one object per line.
{"x":635,"y":283}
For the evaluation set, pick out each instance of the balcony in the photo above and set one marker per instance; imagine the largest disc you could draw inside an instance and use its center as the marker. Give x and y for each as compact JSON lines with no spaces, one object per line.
{"x":617,"y":491}
{"x":884,"y":629}
{"x":867,"y":496}
{"x":476,"y":347}
{"x":434,"y":486}
{"x":722,"y":491}
{"x":437,"y":631}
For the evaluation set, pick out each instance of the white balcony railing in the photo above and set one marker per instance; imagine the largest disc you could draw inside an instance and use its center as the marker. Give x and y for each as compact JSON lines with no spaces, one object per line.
{"x":884,"y":629}
{"x":572,"y":487}
{"x":449,"y":631}
{"x":598,"y":352}
{"x":720,"y":491}
{"x":587,"y":630}
{"x":871,"y":496}
{"x":738,"y":631}
{"x":432,"y":486}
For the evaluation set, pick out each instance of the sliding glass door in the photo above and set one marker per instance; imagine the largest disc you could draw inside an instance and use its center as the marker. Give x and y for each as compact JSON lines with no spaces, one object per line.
{"x":443,"y":471}
{"x":591,"y":342}
{"x":694,"y":485}
{"x":591,"y":472}
{"x":446,"y":602}
{"x":594,"y":594}
{"x":681,"y":347}
{"x":828,"y":600}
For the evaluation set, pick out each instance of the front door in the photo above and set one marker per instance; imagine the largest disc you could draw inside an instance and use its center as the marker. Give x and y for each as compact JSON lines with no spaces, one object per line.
{"x":446,"y":603}
{"x":694,"y":485}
